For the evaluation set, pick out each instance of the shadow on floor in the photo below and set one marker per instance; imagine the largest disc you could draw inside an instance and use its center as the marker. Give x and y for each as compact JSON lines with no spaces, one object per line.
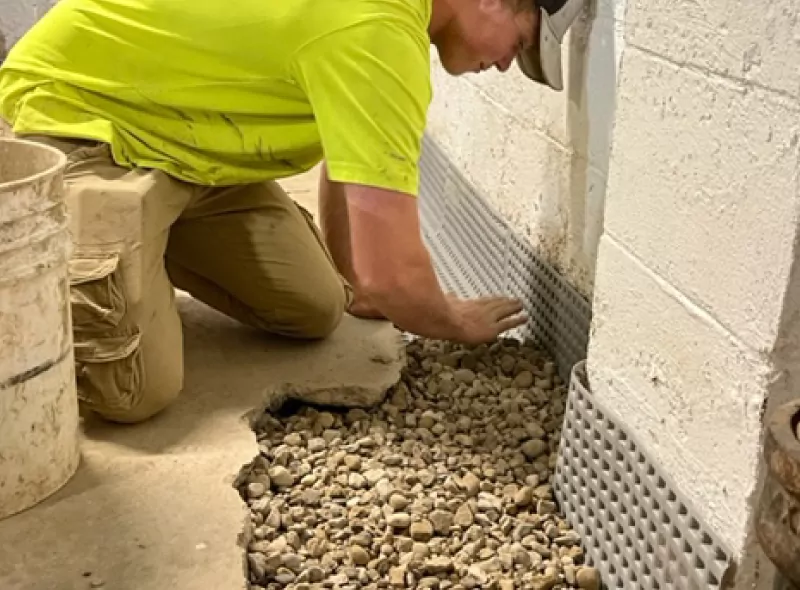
{"x":229,"y":368}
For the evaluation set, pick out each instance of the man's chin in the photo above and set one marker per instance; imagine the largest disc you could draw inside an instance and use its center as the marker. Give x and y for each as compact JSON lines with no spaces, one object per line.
{"x":452,"y":69}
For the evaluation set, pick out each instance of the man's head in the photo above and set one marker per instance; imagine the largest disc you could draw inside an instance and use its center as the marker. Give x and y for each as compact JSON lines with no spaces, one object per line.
{"x":475,"y":35}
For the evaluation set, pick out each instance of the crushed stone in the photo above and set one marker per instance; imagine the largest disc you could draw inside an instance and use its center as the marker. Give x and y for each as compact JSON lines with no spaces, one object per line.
{"x":444,"y":485}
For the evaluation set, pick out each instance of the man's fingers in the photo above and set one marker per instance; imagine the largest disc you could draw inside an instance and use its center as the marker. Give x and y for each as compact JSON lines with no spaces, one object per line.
{"x":509,"y":323}
{"x":503,"y":307}
{"x":492,"y":301}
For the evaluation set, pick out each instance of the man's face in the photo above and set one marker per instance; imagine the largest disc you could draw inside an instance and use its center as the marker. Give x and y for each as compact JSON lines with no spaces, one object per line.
{"x":485,"y":34}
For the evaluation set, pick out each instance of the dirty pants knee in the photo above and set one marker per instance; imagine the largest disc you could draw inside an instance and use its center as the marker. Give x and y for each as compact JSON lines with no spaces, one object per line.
{"x":126,"y":328}
{"x":248,"y":251}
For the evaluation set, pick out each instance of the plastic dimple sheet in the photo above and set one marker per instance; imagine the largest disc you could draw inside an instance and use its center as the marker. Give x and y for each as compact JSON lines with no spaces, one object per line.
{"x":560,"y":317}
{"x":477,"y":241}
{"x":476,"y":253}
{"x":638,"y":530}
{"x":433,"y":179}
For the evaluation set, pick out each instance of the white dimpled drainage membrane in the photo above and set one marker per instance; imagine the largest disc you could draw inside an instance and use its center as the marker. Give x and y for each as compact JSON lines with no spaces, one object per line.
{"x":636,"y":527}
{"x":476,"y":253}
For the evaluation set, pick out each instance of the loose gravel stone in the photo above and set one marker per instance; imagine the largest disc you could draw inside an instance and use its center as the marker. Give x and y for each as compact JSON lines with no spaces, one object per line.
{"x":359,"y":555}
{"x":398,"y":501}
{"x":441,"y":520}
{"x":281,"y":477}
{"x":524,"y":496}
{"x":421,"y":530}
{"x":445,"y":485}
{"x":588,"y":578}
{"x":315,"y":445}
{"x":399,"y":520}
{"x":464,"y":517}
{"x":534,"y":448}
{"x":256,"y":489}
{"x":471,"y":484}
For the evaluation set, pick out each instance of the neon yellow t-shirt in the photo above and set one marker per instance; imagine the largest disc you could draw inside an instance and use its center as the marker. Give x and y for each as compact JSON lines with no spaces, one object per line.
{"x":221,"y":93}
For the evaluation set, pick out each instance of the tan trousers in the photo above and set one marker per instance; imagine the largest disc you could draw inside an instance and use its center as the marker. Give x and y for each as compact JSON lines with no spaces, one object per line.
{"x":247,"y":251}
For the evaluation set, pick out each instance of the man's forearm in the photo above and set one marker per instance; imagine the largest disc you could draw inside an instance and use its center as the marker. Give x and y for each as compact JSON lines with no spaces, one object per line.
{"x":335,"y":224}
{"x":414,"y":301}
{"x":392,"y":265}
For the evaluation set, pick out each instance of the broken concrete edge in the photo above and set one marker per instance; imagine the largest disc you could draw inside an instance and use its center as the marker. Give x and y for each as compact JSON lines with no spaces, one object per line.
{"x":275,"y":398}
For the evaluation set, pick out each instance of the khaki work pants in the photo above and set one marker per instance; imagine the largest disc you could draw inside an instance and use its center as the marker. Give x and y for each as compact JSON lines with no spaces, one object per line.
{"x":248,"y":251}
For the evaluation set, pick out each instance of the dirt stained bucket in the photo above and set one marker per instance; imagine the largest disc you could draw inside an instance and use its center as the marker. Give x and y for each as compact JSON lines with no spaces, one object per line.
{"x":39,"y":429}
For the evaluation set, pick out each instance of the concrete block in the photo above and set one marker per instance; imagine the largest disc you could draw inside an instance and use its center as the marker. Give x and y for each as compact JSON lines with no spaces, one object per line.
{"x":527,"y":102}
{"x":538,"y":186}
{"x":472,"y":130}
{"x":541,"y":157}
{"x":704,"y":189}
{"x":691,"y":391}
{"x":544,"y":200}
{"x":755,"y":41}
{"x":584,"y":110}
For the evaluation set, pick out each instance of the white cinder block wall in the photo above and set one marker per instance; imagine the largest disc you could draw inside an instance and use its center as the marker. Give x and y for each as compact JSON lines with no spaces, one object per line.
{"x":541,"y":157}
{"x":677,"y":141}
{"x":690,"y":338}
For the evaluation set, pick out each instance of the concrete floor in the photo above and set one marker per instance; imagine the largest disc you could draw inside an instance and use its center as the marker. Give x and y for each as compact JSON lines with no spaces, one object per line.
{"x":152,"y":506}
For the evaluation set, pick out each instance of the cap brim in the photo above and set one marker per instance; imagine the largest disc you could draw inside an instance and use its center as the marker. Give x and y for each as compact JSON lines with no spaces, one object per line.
{"x":542,"y":62}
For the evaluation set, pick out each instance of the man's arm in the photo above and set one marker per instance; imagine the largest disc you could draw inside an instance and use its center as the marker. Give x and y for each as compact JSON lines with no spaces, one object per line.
{"x":394,"y":271}
{"x":371,"y":141}
{"x":335,"y":224}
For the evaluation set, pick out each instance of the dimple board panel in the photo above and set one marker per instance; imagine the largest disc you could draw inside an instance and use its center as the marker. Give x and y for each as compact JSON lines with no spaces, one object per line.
{"x":636,"y":527}
{"x":433,"y":179}
{"x":477,"y":239}
{"x":638,"y":530}
{"x":476,"y":253}
{"x":559,"y":316}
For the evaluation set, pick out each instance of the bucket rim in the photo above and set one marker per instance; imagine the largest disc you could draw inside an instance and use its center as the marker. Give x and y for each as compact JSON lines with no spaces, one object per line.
{"x":48,"y":172}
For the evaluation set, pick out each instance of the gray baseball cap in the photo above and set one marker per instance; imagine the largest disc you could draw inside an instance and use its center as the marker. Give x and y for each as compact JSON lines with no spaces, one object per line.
{"x":542,"y":61}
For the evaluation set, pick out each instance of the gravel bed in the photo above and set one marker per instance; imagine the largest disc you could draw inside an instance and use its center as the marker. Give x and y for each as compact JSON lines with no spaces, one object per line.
{"x":446,"y":485}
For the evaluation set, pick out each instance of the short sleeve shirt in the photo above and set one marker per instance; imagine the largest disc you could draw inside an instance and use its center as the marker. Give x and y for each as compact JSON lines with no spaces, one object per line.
{"x":222,"y":93}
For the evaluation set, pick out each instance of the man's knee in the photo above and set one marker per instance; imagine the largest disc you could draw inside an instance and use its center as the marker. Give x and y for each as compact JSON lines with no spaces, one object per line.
{"x":130,"y":389}
{"x":312,"y":314}
{"x":130,"y":371}
{"x":151,"y":403}
{"x":322,"y":318}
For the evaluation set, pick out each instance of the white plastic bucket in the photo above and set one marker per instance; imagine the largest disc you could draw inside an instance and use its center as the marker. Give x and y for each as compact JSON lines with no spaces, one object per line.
{"x":38,"y":400}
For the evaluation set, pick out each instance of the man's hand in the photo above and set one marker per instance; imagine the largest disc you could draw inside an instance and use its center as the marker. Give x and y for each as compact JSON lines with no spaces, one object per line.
{"x":484,"y":319}
{"x":480,"y":320}
{"x":393,"y":275}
